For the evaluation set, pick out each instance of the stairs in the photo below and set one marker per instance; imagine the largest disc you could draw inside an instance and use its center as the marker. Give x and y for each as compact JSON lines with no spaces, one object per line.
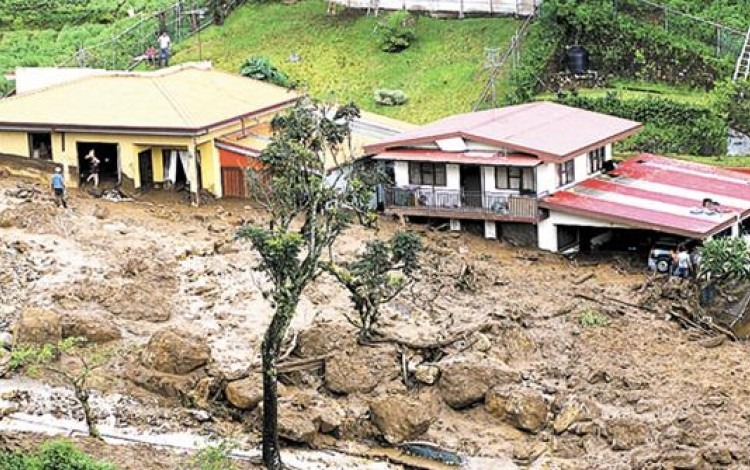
{"x":742,"y":69}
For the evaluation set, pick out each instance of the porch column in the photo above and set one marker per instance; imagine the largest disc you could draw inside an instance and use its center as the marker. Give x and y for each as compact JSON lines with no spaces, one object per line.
{"x":736,"y":229}
{"x":547,"y":235}
{"x":455,"y":225}
{"x":490,"y":229}
{"x":192,"y":172}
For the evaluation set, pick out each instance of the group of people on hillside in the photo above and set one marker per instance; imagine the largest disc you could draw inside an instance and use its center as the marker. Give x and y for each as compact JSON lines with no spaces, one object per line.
{"x":159,"y":57}
{"x":685,"y":263}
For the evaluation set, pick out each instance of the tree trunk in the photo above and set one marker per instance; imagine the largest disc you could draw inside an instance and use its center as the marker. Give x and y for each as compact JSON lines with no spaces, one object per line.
{"x":83,"y":397}
{"x":270,"y":352}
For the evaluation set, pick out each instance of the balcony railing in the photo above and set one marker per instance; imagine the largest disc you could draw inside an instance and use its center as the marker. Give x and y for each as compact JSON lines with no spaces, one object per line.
{"x":473,"y":204}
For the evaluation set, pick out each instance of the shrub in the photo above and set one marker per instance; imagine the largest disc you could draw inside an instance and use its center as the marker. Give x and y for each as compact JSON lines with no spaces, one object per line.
{"x":53,"y":455}
{"x":724,"y":258}
{"x":390,"y":97}
{"x":592,"y":318}
{"x":397,"y":31}
{"x":260,"y":68}
{"x":214,"y":457}
{"x":731,"y":100}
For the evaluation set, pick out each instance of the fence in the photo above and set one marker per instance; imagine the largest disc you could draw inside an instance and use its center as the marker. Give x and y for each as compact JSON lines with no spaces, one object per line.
{"x":723,"y":39}
{"x":181,"y":21}
{"x":460,"y":203}
{"x":458,"y":7}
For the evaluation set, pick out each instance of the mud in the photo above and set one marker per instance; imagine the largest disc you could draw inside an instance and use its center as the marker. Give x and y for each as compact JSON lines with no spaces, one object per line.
{"x":664,"y":395}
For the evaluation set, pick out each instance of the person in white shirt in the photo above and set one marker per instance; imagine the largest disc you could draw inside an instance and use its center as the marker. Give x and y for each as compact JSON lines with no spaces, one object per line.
{"x":684,"y":266}
{"x":164,"y":43}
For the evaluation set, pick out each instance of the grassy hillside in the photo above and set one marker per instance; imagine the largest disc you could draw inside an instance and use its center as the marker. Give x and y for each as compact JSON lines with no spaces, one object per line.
{"x":441,"y":73}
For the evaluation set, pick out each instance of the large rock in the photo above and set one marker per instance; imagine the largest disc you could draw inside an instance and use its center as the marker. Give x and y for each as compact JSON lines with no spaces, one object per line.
{"x":166,"y":385}
{"x":525,"y":409}
{"x":174,"y":350}
{"x":464,"y":382}
{"x":89,"y":325}
{"x":575,"y":412}
{"x":401,"y":418}
{"x":625,"y":433}
{"x":245,"y":394}
{"x":361,"y":371}
{"x":38,"y":326}
{"x":326,"y":337}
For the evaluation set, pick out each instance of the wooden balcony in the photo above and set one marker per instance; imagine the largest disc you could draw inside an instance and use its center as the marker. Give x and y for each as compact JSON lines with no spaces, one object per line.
{"x":459,"y":204}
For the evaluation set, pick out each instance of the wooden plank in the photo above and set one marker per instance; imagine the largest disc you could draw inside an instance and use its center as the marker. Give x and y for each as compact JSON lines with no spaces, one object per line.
{"x":233,"y":182}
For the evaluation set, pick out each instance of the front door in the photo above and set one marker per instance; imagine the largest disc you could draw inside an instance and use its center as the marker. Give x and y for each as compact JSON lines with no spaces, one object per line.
{"x":146,"y":169}
{"x":471,"y":186}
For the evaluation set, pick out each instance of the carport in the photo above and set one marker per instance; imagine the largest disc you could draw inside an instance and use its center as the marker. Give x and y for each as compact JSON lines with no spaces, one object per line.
{"x":648,"y":194}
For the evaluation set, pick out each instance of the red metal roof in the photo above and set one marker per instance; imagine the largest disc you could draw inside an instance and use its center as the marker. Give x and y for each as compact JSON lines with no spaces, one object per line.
{"x":549,"y":130}
{"x":466,"y":158}
{"x":659,"y":193}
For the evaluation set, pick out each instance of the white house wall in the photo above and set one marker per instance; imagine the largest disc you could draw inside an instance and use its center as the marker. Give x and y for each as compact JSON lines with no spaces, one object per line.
{"x":547,"y":228}
{"x":452,"y":175}
{"x":547,"y":172}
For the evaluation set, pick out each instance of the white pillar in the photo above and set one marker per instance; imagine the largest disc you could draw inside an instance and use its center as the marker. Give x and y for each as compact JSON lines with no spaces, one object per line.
{"x":547,"y":235}
{"x":455,"y":225}
{"x":490,"y":229}
{"x":736,"y":229}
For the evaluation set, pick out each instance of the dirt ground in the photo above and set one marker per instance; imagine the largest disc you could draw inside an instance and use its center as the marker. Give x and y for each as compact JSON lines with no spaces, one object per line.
{"x":645,"y":393}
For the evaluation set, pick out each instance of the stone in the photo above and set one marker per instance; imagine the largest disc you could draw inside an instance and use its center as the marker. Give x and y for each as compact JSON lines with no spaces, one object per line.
{"x":427,"y":374}
{"x":6,"y":339}
{"x":324,"y":338}
{"x":38,"y":326}
{"x":465,"y":381}
{"x":5,"y":357}
{"x":93,"y":327}
{"x":101,"y":212}
{"x":401,"y":418}
{"x":718,"y":456}
{"x":481,"y":343}
{"x":166,"y":385}
{"x":527,"y":452}
{"x":173,"y":350}
{"x":572,"y":413}
{"x":361,"y":371}
{"x":247,"y":393}
{"x":330,"y":417}
{"x":625,"y":433}
{"x":524,"y":409}
{"x":296,"y":425}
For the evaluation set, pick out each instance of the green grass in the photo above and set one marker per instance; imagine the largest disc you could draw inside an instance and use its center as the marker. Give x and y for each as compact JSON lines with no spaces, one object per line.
{"x":735,"y":162}
{"x":441,"y":73}
{"x":629,"y":89}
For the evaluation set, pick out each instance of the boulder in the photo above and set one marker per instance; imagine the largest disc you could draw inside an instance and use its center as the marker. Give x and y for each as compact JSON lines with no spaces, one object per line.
{"x":330,"y":417}
{"x":245,"y":394}
{"x":524,"y":409}
{"x":38,"y":326}
{"x":626,"y":433}
{"x":174,"y":350}
{"x":718,"y":456}
{"x":326,"y":337}
{"x":574,"y":412}
{"x":401,"y":418}
{"x":296,"y":424}
{"x":465,"y":381}
{"x":427,"y":374}
{"x":93,"y":327}
{"x":361,"y":371}
{"x":166,"y":385}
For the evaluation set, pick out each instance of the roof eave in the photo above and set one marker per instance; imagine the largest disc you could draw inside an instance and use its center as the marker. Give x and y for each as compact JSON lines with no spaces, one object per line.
{"x":608,"y":140}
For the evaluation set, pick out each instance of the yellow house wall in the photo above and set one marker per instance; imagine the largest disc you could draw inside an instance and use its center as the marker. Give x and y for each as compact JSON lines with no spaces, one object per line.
{"x":14,"y":143}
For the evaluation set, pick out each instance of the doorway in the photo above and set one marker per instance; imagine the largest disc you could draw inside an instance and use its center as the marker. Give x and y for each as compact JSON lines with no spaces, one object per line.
{"x":109,"y":160}
{"x":471,"y":186}
{"x":146,"y":169}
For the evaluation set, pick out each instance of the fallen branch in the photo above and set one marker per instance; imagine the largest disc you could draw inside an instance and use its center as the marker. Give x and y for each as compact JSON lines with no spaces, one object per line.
{"x":613,"y":299}
{"x":583,"y":279}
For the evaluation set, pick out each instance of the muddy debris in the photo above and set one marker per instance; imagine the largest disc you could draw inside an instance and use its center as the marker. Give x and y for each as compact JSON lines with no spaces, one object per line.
{"x":524,"y":409}
{"x":361,"y":371}
{"x":626,"y":433}
{"x":575,"y":412}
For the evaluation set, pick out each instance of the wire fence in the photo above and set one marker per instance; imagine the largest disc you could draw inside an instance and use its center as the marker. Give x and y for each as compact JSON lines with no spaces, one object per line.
{"x":181,"y":21}
{"x":723,"y":39}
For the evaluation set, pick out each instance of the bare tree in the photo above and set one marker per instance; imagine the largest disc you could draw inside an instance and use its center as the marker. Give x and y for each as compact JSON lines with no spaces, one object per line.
{"x":378,"y":275}
{"x":308,"y":211}
{"x":34,"y":358}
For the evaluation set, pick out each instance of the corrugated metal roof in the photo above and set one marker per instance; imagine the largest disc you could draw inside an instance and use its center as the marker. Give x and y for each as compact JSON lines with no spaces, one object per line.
{"x":660,"y":193}
{"x":183,"y":97}
{"x":466,"y":158}
{"x":550,"y":130}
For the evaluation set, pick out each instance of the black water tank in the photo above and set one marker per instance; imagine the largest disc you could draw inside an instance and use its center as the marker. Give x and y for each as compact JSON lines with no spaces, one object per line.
{"x":578,"y":59}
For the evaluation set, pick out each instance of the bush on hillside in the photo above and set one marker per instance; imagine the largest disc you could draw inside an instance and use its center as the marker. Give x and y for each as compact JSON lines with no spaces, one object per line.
{"x":260,"y":68}
{"x":53,"y":455}
{"x":731,"y":100}
{"x":397,"y":31}
{"x":390,"y":97}
{"x":670,"y":127}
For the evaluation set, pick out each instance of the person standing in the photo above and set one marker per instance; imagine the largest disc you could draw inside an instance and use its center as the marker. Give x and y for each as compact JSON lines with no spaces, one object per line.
{"x":164,"y":43}
{"x":684,"y":266}
{"x":94,"y":162}
{"x":58,"y":188}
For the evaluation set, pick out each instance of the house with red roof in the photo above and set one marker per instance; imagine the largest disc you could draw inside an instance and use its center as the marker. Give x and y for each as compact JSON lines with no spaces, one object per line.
{"x":542,"y":174}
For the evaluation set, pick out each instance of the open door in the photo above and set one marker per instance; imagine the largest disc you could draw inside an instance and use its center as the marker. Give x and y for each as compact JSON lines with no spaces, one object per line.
{"x":146,"y":169}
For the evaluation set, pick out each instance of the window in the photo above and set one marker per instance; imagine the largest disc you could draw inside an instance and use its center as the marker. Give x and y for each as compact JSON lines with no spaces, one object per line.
{"x":565,"y":173}
{"x":40,"y":145}
{"x":427,"y":174}
{"x":513,"y":177}
{"x":596,"y":160}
